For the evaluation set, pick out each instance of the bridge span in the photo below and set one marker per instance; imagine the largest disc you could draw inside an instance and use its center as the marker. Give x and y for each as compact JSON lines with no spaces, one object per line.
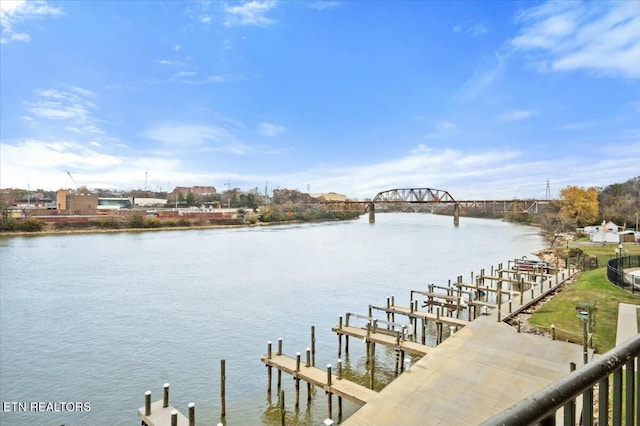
{"x":442,"y":197}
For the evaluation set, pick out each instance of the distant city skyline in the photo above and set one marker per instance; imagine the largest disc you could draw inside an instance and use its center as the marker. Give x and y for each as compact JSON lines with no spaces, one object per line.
{"x":481,"y":99}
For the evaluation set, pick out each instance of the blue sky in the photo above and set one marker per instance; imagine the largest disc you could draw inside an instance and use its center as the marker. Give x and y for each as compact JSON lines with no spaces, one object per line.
{"x":483,"y":99}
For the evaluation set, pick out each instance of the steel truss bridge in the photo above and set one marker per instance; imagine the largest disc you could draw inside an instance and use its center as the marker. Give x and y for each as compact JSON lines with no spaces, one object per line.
{"x":442,"y":197}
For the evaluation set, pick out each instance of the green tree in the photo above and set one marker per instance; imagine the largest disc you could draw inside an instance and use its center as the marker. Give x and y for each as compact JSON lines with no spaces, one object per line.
{"x":190,"y":200}
{"x":579,"y":205}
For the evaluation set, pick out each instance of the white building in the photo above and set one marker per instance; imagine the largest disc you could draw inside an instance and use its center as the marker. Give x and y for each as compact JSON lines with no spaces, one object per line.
{"x":609,"y":232}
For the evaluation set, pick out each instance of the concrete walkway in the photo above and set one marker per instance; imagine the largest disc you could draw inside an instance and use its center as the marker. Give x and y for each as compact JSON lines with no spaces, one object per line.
{"x":627,"y":322}
{"x":478,"y":372}
{"x":481,"y":370}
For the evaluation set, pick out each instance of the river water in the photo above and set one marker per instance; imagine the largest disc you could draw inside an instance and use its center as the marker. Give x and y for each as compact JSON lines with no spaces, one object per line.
{"x":101,"y":318}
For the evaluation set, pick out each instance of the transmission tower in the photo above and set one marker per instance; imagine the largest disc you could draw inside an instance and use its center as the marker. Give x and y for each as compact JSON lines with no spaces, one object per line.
{"x":547,"y":195}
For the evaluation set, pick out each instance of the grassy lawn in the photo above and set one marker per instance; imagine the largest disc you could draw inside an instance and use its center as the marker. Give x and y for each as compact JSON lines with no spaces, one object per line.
{"x":609,"y":249}
{"x":591,"y":286}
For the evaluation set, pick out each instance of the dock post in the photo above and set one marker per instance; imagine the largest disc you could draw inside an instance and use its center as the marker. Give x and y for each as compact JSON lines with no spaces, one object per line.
{"x":368,"y":343}
{"x":192,"y":414}
{"x":308,"y":364}
{"x":223,"y":379}
{"x":372,"y":213}
{"x":393,"y":303}
{"x":165,"y":397}
{"x":269,"y":368}
{"x":373,"y":365}
{"x":313,"y":345}
{"x":424,"y":330}
{"x":553,"y":332}
{"x":329,"y":394}
{"x":339,"y":369}
{"x":297,"y":380}
{"x":339,"y":337}
{"x":521,"y":290}
{"x":281,"y":404}
{"x":279,"y":379}
{"x":499,"y":294}
{"x":147,"y":403}
{"x":438,"y":328}
{"x":174,"y":417}
{"x":401,"y":360}
{"x":388,"y":314}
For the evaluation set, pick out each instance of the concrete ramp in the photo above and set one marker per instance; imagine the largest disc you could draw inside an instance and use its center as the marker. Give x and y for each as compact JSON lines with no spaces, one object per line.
{"x":478,"y":372}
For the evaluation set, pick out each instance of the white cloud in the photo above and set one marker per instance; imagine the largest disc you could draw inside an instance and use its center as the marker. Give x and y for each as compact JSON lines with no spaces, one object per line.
{"x":73,"y":105}
{"x":325,"y":5}
{"x":457,"y":28}
{"x":249,"y":13}
{"x":270,"y":130}
{"x":516,"y":115}
{"x":224,"y":136}
{"x":478,"y":29}
{"x":600,"y":37}
{"x":14,"y":13}
{"x":483,"y":77}
{"x":45,"y":165}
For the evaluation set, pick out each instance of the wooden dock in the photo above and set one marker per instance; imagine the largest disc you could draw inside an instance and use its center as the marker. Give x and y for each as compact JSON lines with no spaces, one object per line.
{"x":161,"y":413}
{"x":335,"y":385}
{"x":383,"y":338}
{"x":403,"y":310}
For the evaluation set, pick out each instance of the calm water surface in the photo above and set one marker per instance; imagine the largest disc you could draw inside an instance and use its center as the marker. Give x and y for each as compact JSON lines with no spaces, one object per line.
{"x":101,"y":318}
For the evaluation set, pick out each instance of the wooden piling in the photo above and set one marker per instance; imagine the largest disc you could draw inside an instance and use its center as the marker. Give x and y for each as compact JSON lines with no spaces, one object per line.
{"x":192,"y":414}
{"x":282,"y":412}
{"x":297,"y":380}
{"x":372,"y":365}
{"x":223,"y":379}
{"x":329,"y":394}
{"x":499,"y":295}
{"x":174,"y":417}
{"x":269,"y":372}
{"x":340,"y":337}
{"x":147,"y":403}
{"x":313,"y":345}
{"x":165,"y":396}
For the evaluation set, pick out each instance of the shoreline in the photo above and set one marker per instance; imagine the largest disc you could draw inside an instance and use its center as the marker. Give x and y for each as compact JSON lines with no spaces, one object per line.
{"x":48,"y":232}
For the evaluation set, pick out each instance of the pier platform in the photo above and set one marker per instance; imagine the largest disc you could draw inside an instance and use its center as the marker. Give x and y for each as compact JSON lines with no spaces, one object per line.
{"x":383,"y":338}
{"x":476,"y":373}
{"x":341,"y":387}
{"x":161,"y":416}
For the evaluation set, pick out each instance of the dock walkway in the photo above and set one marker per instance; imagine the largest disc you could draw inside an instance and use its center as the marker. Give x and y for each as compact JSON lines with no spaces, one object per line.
{"x":385,"y":339}
{"x":341,"y":387}
{"x":481,"y":370}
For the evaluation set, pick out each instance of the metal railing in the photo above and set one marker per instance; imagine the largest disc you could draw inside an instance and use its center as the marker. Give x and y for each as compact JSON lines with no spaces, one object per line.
{"x":541,"y":407}
{"x":616,"y":267}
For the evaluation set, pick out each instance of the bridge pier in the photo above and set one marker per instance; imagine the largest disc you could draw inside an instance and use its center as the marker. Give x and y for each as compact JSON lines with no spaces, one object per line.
{"x":456,"y":214}
{"x":372,"y":213}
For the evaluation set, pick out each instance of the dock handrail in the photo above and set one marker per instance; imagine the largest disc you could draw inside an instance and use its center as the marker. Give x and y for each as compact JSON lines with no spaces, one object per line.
{"x":541,"y":407}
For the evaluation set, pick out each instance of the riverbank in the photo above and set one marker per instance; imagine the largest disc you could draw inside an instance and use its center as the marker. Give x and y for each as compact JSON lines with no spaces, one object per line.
{"x":97,"y":230}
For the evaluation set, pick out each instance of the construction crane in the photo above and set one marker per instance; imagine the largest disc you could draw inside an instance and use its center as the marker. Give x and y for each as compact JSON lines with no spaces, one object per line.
{"x":73,"y":180}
